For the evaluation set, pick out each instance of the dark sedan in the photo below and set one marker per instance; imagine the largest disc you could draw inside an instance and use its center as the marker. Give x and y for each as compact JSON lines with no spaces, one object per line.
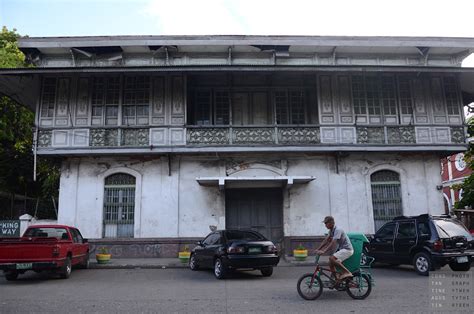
{"x":226,"y":250}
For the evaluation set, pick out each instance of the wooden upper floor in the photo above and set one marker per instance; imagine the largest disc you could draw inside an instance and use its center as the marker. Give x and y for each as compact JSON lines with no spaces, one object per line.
{"x":103,"y":95}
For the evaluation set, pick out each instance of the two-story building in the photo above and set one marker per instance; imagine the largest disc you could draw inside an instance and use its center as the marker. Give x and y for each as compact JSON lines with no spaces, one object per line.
{"x":162,"y":137}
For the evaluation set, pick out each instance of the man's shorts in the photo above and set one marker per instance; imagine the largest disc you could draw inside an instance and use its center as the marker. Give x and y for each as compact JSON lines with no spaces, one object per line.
{"x":343,"y":254}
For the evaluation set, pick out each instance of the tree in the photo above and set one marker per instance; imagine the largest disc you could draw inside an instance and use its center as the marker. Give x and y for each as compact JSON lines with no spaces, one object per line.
{"x":468,"y":185}
{"x":16,"y":141}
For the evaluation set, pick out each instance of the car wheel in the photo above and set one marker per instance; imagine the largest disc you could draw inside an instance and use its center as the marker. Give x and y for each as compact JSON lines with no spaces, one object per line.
{"x":422,"y":263}
{"x":219,"y":269}
{"x":66,"y":270}
{"x":460,"y":267}
{"x":193,"y":265}
{"x":267,"y":271}
{"x":11,"y":275}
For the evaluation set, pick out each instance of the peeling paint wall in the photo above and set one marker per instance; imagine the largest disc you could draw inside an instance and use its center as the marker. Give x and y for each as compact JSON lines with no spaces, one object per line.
{"x":172,"y":204}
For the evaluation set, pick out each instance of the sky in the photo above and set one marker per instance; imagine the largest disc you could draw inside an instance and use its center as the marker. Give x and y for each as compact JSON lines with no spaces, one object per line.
{"x":40,"y":18}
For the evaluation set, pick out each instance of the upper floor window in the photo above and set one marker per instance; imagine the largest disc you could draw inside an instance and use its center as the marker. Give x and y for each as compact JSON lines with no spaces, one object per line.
{"x":374,"y":95}
{"x":406,"y":100}
{"x":49,"y":97}
{"x":136,"y":100}
{"x":105,"y":100}
{"x":451,"y":95}
{"x":211,"y":107}
{"x":290,"y":106}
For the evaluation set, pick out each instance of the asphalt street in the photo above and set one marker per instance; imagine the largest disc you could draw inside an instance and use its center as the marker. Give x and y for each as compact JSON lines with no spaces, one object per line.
{"x":397,"y":290}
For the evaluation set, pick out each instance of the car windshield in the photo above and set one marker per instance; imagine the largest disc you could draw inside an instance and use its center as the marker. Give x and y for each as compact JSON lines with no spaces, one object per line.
{"x":58,"y":233}
{"x":448,"y":228}
{"x":243,"y":235}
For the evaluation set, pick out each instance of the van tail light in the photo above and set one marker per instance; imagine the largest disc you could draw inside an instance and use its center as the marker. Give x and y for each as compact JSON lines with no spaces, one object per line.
{"x":272,"y":249}
{"x":56,"y":251}
{"x":438,"y":245}
{"x":235,"y":250}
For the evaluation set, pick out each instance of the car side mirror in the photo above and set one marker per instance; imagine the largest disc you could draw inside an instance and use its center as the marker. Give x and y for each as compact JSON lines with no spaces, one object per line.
{"x":85,"y":240}
{"x":199,"y":243}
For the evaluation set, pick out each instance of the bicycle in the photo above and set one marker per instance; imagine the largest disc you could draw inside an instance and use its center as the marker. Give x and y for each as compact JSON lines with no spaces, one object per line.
{"x":310,"y":286}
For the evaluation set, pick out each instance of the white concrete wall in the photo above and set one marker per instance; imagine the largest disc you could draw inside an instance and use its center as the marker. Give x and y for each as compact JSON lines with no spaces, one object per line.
{"x":175,"y":205}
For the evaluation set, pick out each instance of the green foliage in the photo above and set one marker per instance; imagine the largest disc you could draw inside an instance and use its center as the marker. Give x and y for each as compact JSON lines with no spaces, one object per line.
{"x":10,"y":55}
{"x":468,"y":185}
{"x":16,"y":142}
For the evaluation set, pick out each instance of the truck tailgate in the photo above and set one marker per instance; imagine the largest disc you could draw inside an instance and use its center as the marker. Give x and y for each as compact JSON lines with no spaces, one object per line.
{"x":27,"y":250}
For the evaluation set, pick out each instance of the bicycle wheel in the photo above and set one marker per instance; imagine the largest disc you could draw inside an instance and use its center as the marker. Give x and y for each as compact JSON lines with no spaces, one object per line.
{"x":309,"y":291}
{"x":359,"y":287}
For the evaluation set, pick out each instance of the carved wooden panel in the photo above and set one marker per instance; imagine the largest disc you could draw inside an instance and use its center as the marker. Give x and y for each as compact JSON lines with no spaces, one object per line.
{"x":159,"y":136}
{"x":62,"y":103}
{"x":178,"y":95}
{"x":325,"y":100}
{"x":82,"y":97}
{"x":345,"y":106}
{"x":328,"y":135}
{"x":421,"y":115}
{"x":158,"y":110}
{"x":438,"y":104}
{"x":423,"y":135}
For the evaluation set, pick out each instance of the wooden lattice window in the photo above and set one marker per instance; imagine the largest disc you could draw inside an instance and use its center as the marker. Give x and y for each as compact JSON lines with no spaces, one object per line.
{"x":48,"y":99}
{"x":451,"y":95}
{"x":203,"y":100}
{"x":358,"y":95}
{"x":136,"y":100}
{"x":221,"y":107}
{"x":105,"y":99}
{"x":388,"y":98}
{"x":290,"y":107}
{"x":406,"y":100}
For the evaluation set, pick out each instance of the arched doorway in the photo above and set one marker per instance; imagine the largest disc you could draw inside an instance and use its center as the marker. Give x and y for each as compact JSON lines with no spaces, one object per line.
{"x":119,"y":205}
{"x":386,"y":196}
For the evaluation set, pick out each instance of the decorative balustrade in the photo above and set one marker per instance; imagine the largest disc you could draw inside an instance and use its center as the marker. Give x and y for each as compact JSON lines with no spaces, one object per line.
{"x":201,"y":136}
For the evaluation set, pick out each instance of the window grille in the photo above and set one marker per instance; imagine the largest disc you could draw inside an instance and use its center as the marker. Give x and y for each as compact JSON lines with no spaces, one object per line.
{"x":119,"y":206}
{"x":386,"y":196}
{"x":406,"y":102}
{"x":49,"y":97}
{"x":451,"y":94}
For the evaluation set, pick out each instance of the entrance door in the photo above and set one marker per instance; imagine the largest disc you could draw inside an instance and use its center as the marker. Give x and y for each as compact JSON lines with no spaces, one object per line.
{"x":256,"y":209}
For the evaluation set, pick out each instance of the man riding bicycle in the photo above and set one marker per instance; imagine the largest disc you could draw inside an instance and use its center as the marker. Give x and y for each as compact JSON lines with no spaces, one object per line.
{"x":336,"y":238}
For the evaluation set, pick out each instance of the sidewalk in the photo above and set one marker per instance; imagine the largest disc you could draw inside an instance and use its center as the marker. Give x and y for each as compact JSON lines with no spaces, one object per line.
{"x":163,"y":263}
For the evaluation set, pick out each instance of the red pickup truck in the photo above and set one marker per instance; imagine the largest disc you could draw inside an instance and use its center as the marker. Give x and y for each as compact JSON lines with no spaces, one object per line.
{"x":56,"y":248}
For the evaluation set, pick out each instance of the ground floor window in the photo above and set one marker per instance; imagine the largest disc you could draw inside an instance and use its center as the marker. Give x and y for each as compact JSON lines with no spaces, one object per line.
{"x":119,"y":205}
{"x":386,"y":196}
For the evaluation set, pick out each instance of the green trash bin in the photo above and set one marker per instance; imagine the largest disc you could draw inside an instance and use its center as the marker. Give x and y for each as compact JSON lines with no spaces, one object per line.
{"x":357,"y":240}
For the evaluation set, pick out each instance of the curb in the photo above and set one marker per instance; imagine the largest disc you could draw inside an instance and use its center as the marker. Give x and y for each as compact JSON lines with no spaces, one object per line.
{"x":285,"y":261}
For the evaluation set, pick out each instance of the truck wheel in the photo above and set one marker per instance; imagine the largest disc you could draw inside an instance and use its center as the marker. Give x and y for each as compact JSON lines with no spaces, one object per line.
{"x":65,"y":271}
{"x":11,"y":275}
{"x":460,"y":267}
{"x":422,"y":263}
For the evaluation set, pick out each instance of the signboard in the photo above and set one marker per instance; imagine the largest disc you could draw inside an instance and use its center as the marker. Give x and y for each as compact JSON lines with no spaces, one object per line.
{"x":9,"y":228}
